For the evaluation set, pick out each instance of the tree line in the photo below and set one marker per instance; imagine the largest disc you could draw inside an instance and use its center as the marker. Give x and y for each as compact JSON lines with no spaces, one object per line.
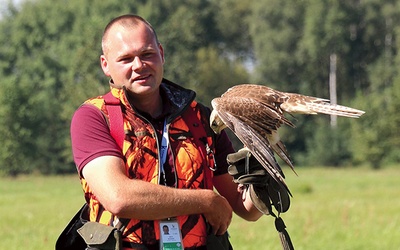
{"x":49,"y":64}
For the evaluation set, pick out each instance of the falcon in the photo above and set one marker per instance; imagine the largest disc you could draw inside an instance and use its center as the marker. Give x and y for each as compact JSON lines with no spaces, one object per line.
{"x":255,"y":112}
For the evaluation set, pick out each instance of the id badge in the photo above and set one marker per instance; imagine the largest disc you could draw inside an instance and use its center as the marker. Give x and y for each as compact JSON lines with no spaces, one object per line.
{"x":170,"y":235}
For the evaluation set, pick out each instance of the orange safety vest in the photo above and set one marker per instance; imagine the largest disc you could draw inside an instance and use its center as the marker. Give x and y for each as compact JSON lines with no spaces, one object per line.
{"x":141,"y":153}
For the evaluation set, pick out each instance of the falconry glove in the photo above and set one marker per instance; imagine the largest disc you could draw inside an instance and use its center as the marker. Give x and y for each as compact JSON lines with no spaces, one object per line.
{"x":264,"y":191}
{"x":246,"y":169}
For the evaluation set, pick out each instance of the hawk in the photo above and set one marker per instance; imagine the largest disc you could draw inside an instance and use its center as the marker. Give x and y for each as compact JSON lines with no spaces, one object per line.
{"x":255,"y":112}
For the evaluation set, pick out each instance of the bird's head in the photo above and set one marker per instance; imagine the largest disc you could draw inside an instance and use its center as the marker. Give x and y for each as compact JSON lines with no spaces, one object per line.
{"x":216,"y":124}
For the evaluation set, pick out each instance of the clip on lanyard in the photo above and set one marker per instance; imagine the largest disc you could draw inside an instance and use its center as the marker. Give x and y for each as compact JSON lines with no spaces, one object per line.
{"x":164,"y":149}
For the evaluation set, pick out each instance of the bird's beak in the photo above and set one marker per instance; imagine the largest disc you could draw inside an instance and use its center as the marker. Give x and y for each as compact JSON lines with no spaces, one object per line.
{"x":216,"y":124}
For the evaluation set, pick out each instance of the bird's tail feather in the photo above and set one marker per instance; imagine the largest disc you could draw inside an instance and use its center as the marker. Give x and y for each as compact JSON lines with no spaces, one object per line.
{"x":331,"y":109}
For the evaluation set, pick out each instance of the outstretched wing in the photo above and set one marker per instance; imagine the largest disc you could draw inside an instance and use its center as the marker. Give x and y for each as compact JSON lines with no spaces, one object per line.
{"x":252,"y":122}
{"x":267,"y":114}
{"x":291,"y":102}
{"x":255,"y":112}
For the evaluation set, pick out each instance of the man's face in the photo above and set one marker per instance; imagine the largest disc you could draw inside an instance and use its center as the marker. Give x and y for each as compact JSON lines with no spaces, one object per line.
{"x":133,"y":59}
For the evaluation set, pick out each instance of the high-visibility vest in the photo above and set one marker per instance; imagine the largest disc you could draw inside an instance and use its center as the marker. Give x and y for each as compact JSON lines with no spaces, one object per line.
{"x":141,"y":152}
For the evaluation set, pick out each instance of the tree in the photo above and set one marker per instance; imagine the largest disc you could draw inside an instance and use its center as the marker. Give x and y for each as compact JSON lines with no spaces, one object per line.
{"x":377,"y":140}
{"x":214,"y":79}
{"x":50,"y":64}
{"x":357,"y":32}
{"x":49,"y":55}
{"x":30,"y":72}
{"x":232,"y":22}
{"x":275,"y":28}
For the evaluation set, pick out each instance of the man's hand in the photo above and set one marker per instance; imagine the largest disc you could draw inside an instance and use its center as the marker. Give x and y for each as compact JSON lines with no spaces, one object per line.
{"x":219,"y":215}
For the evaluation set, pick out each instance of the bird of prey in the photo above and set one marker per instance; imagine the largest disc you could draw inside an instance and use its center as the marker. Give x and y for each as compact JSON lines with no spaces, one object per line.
{"x":255,"y":112}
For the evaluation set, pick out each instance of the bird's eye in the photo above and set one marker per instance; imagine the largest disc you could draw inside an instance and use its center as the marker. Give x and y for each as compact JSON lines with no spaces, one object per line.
{"x":214,"y":123}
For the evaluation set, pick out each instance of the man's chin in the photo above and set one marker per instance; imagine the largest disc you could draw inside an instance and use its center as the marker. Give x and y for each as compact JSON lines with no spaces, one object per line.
{"x":140,"y":89}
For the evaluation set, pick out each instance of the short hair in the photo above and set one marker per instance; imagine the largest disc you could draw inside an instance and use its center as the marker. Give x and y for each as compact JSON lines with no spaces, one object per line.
{"x":128,"y":20}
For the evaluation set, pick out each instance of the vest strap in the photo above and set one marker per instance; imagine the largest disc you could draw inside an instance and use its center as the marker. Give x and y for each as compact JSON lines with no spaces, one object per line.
{"x":113,"y":106}
{"x":116,"y":120}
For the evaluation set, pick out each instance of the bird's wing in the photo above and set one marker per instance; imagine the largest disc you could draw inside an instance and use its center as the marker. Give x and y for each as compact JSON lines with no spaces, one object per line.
{"x":260,"y":93}
{"x":268,"y":115}
{"x":255,"y":112}
{"x":291,"y":102}
{"x":251,"y":122}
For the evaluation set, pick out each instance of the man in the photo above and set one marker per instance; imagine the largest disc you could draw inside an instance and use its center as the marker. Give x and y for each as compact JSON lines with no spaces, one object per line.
{"x":144,"y":182}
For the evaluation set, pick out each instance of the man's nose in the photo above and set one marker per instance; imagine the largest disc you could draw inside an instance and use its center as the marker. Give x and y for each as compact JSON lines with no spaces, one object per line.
{"x":137,"y":63}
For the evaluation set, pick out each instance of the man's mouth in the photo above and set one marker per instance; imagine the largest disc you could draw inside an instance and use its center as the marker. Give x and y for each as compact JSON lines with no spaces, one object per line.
{"x":141,"y":78}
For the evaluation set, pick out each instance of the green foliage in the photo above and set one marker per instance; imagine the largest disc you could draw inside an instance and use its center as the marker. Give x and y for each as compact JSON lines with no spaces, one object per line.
{"x":293,"y":51}
{"x":30,"y":84}
{"x":186,"y":28}
{"x":210,"y":82}
{"x":377,"y":139}
{"x":233,"y":25}
{"x":49,"y":64}
{"x":275,"y":28}
{"x":328,"y":146}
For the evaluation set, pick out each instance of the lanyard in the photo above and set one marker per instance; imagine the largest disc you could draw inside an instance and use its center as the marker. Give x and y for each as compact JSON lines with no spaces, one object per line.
{"x":164,"y":147}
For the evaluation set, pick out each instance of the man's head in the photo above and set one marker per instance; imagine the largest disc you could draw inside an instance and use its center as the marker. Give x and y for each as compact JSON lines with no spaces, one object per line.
{"x":132,"y":55}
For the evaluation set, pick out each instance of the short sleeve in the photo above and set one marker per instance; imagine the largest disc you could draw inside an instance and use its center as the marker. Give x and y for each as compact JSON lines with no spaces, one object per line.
{"x":223,"y":147}
{"x":90,"y":136}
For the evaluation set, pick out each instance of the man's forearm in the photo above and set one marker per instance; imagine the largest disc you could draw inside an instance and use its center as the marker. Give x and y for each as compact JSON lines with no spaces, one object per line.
{"x":132,"y":198}
{"x":147,"y":201}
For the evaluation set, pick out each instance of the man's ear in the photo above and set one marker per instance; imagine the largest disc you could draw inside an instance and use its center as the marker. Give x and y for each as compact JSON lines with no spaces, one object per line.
{"x":160,"y":47}
{"x":104,"y":65}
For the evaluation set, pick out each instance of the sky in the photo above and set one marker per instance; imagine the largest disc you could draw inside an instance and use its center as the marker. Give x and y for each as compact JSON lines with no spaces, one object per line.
{"x":3,"y":5}
{"x":4,"y":2}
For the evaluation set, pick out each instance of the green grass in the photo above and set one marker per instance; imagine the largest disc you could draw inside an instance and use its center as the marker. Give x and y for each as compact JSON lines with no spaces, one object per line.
{"x":34,"y":210}
{"x":355,"y":208}
{"x":333,"y":209}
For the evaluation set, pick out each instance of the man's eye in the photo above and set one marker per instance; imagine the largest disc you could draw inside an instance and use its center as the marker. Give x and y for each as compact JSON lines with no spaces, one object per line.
{"x":147,"y":55}
{"x":125,"y":59}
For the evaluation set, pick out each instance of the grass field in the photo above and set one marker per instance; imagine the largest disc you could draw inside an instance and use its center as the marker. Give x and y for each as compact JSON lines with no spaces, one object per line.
{"x":346,"y":209}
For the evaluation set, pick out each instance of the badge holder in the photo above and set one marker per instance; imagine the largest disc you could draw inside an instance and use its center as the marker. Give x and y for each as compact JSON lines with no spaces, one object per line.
{"x":170,"y":235}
